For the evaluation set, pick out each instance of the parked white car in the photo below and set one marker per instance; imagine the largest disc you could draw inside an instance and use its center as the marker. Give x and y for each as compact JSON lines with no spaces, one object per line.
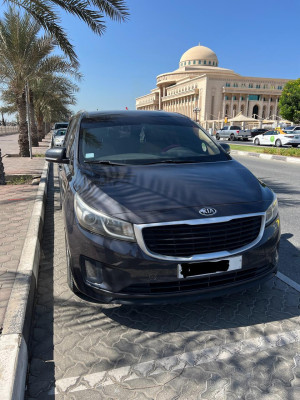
{"x":59,"y":137}
{"x":275,"y":138}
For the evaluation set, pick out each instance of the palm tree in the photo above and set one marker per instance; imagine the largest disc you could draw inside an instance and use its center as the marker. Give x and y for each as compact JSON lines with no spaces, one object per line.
{"x":92,"y":12}
{"x":52,"y":95}
{"x":24,"y":56}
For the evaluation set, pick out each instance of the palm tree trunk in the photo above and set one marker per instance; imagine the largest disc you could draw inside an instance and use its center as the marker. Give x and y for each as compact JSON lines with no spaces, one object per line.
{"x":33,"y":128}
{"x":23,"y":129}
{"x":2,"y":173}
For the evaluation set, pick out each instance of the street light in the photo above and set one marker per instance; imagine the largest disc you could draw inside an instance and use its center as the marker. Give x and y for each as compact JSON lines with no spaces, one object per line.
{"x":196,"y":110}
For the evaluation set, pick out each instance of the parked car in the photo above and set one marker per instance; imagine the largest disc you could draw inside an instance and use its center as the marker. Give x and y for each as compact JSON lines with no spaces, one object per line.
{"x":60,"y":125}
{"x":275,"y":138}
{"x":56,"y":126}
{"x":233,"y":132}
{"x":157,"y":211}
{"x":291,"y":129}
{"x":258,"y":131}
{"x":59,"y":137}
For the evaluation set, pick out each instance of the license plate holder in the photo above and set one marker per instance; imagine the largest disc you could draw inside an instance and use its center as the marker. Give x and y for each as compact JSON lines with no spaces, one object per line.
{"x":209,"y":267}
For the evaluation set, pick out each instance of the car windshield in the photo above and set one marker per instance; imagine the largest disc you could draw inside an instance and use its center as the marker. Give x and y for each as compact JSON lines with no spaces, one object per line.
{"x":60,"y":133}
{"x":145,"y":140}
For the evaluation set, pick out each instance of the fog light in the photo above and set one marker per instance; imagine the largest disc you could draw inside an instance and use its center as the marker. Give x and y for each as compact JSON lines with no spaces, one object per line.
{"x":93,"y":272}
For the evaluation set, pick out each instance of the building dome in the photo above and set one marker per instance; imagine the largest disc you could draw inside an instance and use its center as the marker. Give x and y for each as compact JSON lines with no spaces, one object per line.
{"x":199,"y":55}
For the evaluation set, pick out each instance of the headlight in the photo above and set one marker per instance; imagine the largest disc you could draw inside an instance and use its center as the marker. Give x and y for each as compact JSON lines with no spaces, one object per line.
{"x":99,"y":223}
{"x":272,"y":211}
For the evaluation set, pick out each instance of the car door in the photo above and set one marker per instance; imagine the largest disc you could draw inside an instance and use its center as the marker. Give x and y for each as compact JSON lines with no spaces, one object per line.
{"x":272,"y":137}
{"x":224,"y":132}
{"x":265,"y":138}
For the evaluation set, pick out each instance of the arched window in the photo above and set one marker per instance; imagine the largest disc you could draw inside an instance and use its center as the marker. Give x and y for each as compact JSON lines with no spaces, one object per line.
{"x":226,"y":110}
{"x":255,"y":111}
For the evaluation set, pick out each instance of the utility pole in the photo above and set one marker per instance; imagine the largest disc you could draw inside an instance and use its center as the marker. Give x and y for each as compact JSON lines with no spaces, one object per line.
{"x":28,"y":119}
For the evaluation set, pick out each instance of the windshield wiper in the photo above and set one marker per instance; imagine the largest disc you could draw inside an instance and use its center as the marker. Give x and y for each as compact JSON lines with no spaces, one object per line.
{"x":103,"y":162}
{"x":173,"y":162}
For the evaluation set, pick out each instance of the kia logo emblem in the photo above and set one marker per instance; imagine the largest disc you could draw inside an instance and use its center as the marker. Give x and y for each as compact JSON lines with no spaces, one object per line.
{"x":207,"y":211}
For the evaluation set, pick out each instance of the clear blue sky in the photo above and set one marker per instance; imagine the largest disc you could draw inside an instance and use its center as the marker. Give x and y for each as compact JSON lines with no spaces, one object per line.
{"x":254,"y":38}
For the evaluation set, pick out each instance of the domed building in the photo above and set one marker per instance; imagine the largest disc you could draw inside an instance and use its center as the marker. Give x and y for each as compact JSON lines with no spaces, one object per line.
{"x":205,"y":92}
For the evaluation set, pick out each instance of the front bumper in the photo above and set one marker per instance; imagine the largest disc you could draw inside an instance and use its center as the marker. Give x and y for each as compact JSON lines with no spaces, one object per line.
{"x":129,"y":276}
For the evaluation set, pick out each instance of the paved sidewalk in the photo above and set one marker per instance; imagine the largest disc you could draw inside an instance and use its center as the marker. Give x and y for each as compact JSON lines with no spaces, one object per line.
{"x":16,"y":205}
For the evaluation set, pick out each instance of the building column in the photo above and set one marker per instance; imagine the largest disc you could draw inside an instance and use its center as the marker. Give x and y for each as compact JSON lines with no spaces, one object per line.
{"x":239,"y":106}
{"x":231,"y":107}
{"x":276,"y":105}
{"x":247,"y":104}
{"x":223,"y":107}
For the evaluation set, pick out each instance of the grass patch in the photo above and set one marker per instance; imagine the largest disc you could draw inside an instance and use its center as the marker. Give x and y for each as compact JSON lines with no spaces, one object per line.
{"x":290,"y":152}
{"x":19,"y":180}
{"x":39,"y":155}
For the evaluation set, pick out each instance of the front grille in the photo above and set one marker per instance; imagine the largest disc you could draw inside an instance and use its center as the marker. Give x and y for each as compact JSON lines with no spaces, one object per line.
{"x":184,"y":240}
{"x":200,"y":283}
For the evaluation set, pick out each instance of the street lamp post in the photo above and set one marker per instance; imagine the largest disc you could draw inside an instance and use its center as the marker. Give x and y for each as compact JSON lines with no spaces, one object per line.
{"x":196,"y":110}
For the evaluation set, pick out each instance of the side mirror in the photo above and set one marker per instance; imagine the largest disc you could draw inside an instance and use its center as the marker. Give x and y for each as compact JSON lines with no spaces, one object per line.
{"x":57,"y":155}
{"x":225,"y":147}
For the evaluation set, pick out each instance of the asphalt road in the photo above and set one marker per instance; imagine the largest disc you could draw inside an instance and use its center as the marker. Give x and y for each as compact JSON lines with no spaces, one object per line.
{"x":243,"y":346}
{"x":284,"y":179}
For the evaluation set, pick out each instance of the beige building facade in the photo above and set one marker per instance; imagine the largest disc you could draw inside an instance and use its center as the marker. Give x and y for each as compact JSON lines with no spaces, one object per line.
{"x":205,"y":92}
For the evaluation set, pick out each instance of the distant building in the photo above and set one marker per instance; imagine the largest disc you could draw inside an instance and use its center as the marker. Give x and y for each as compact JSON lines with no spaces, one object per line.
{"x":203,"y":91}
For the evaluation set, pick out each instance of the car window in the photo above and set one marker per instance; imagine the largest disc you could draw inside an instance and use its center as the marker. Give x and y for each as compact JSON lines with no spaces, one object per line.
{"x":235,"y":128}
{"x":225,"y":128}
{"x":137,"y":141}
{"x":71,"y":135}
{"x":61,"y":125}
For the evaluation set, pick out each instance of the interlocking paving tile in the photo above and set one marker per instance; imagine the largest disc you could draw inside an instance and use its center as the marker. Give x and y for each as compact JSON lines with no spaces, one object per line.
{"x":16,"y":204}
{"x":244,"y":346}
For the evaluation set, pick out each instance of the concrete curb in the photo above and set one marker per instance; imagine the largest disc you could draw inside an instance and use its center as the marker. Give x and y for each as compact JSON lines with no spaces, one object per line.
{"x":293,"y":160}
{"x":17,"y":322}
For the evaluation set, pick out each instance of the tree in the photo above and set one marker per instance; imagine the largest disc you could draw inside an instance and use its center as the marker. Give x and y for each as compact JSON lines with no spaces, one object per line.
{"x":52,"y":95}
{"x":24,"y":57}
{"x":92,"y":12}
{"x":289,"y":102}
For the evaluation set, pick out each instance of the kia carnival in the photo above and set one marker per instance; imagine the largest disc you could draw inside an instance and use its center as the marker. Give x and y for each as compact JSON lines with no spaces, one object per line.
{"x":157,"y":211}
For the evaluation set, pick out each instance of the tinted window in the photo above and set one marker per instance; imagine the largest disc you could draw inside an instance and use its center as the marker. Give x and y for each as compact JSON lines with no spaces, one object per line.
{"x":144,"y":140}
{"x":235,"y":128}
{"x":61,"y":125}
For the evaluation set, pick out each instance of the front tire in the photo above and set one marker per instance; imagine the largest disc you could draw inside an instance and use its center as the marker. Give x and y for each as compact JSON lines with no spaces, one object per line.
{"x":256,"y":142}
{"x":217,"y":136}
{"x":294,"y":145}
{"x":278,"y":143}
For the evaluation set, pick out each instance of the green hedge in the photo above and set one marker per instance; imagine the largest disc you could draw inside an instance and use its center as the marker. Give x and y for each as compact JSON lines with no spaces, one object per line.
{"x":291,"y":152}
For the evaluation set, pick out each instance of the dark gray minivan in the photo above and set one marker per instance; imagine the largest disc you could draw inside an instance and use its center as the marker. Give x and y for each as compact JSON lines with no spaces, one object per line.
{"x":157,"y":211}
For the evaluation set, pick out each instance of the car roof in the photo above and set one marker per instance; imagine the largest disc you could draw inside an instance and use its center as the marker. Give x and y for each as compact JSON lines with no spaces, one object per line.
{"x":95,"y":114}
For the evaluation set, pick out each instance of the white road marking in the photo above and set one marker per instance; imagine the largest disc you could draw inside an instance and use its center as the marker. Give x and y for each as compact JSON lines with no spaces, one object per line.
{"x":175,"y":363}
{"x":288,"y":281}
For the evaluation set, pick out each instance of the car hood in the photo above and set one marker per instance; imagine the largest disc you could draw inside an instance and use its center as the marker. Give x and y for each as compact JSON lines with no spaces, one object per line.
{"x":168,"y":192}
